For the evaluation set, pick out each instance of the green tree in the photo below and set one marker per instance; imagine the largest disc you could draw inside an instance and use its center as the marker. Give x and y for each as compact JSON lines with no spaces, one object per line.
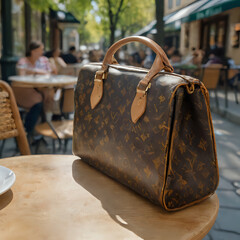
{"x":80,"y":8}
{"x":42,"y":5}
{"x":126,"y":16}
{"x":103,"y":18}
{"x":136,"y":15}
{"x":110,"y":12}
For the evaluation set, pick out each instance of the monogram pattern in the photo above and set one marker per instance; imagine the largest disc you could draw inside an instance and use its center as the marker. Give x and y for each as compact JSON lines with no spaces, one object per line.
{"x":192,"y":168}
{"x":160,"y":156}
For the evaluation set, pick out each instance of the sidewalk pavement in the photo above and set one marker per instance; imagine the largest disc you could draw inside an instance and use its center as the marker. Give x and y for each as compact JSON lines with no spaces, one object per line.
{"x":226,"y":123}
{"x":227,"y":225}
{"x":232,"y":112}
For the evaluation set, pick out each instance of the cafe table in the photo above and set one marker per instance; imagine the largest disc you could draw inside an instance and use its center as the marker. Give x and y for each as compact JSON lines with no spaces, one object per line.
{"x":38,"y":81}
{"x":61,"y":197}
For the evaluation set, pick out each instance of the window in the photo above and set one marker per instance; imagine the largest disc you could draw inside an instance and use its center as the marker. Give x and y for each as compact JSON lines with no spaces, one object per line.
{"x":178,"y":2}
{"x":170,"y":4}
{"x":214,"y":34}
{"x":36,"y":27}
{"x":18,"y":28}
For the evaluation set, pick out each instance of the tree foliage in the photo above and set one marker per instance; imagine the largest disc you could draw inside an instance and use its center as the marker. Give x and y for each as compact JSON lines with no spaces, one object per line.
{"x":108,"y":19}
{"x":136,"y":15}
{"x":124,"y":17}
{"x":42,"y":5}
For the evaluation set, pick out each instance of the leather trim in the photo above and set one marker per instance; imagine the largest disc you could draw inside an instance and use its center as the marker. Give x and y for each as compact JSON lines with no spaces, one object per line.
{"x":160,"y":63}
{"x":205,"y":93}
{"x":144,"y":40}
{"x":138,"y":106}
{"x":97,"y":93}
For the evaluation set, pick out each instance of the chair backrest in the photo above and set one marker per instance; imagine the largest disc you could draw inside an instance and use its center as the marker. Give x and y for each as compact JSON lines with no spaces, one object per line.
{"x":232,"y":73}
{"x":211,"y":75}
{"x":68,"y":100}
{"x":10,"y":120}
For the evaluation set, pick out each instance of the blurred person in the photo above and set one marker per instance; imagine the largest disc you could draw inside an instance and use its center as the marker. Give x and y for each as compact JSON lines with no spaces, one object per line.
{"x":150,"y":55}
{"x":198,"y":56}
{"x":189,"y":57}
{"x":70,"y":57}
{"x":137,"y":58}
{"x":101,"y":55}
{"x":142,"y":56}
{"x":215,"y":57}
{"x":57,"y":62}
{"x":165,"y":49}
{"x":30,"y":98}
{"x":34,"y":62}
{"x":130,"y":60}
{"x":120,"y":56}
{"x":149,"y":59}
{"x":176,"y":57}
{"x":79,"y":56}
{"x":137,"y":61}
{"x":170,"y":51}
{"x":94,"y":56}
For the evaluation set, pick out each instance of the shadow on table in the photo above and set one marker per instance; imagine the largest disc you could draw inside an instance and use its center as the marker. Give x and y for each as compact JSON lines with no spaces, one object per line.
{"x":124,"y":206}
{"x":5,"y":199}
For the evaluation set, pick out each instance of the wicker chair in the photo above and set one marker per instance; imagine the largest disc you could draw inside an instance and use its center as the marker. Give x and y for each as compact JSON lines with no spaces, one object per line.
{"x":10,"y":120}
{"x":62,"y":129}
{"x":210,"y":78}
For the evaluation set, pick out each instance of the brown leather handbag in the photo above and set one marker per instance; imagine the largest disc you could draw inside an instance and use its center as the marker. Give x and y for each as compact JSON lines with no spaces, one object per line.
{"x":151,"y":130}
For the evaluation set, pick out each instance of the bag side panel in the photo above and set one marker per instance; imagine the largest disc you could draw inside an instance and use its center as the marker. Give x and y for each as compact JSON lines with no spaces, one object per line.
{"x":193,"y":168}
{"x":106,"y":138}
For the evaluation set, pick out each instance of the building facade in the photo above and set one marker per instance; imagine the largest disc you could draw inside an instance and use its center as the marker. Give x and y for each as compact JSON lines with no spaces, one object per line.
{"x":171,"y":6}
{"x":20,"y":24}
{"x":207,"y":25}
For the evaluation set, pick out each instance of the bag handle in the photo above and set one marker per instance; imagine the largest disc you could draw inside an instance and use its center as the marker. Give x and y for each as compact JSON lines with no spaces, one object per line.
{"x":160,"y":63}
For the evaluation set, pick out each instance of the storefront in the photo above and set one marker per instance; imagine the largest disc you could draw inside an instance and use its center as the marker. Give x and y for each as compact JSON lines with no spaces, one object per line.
{"x":173,"y":25}
{"x":216,"y":24}
{"x":20,"y":25}
{"x":63,"y":27}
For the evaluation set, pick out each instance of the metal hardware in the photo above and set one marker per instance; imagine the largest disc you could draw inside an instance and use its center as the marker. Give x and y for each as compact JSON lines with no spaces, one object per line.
{"x":100,"y":75}
{"x":190,"y":89}
{"x":145,"y":90}
{"x":148,"y":86}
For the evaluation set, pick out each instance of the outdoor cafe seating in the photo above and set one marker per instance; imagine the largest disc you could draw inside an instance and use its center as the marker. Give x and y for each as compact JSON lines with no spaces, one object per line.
{"x":234,"y":82}
{"x":64,"y":82}
{"x":210,"y":78}
{"x":61,"y":129}
{"x":10,"y":120}
{"x":227,"y":76}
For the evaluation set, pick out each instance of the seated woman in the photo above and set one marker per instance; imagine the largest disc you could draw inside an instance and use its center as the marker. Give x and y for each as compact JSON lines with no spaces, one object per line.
{"x":30,"y":98}
{"x":56,"y":61}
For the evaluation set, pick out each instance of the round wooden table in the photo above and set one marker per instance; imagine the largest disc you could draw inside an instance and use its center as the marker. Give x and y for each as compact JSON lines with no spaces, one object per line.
{"x":35,"y":81}
{"x":61,"y":197}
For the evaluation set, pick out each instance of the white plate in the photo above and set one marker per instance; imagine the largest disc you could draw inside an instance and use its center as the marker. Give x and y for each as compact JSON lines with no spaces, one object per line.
{"x":7,"y":179}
